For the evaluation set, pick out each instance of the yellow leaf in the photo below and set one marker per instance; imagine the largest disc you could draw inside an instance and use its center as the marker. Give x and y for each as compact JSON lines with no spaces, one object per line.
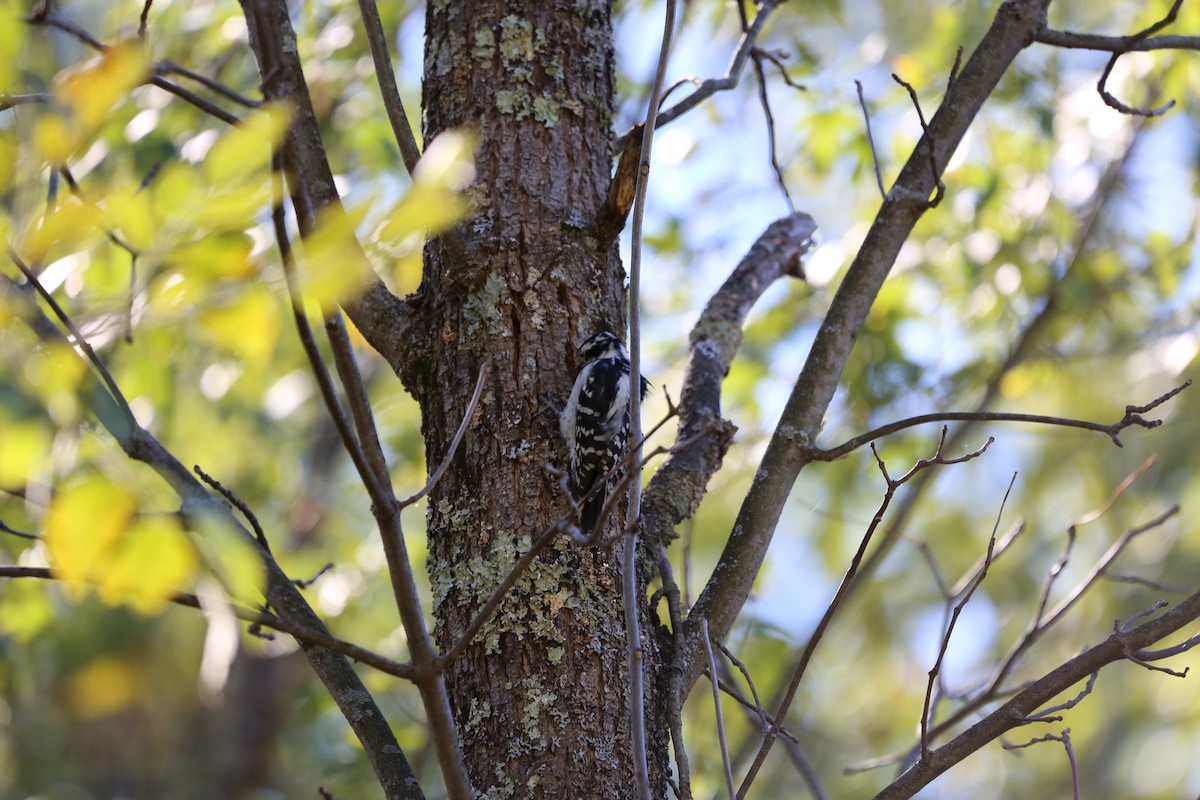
{"x":408,"y":272}
{"x":448,"y":161}
{"x":54,"y":372}
{"x":130,"y":215}
{"x":24,"y":448}
{"x":154,"y":561}
{"x":83,"y":526}
{"x":67,"y":229}
{"x":92,"y":90}
{"x":103,"y":687}
{"x":435,"y":200}
{"x":12,"y":37}
{"x":248,"y":327}
{"x":25,"y":610}
{"x":245,"y":150}
{"x":234,"y":208}
{"x":223,"y":256}
{"x":54,"y":139}
{"x":334,"y":264}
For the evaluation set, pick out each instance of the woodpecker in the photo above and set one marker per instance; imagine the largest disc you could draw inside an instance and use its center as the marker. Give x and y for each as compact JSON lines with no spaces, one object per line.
{"x":595,"y":421}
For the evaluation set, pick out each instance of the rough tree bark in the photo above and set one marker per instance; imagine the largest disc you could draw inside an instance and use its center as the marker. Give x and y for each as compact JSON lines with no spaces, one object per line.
{"x":540,"y":696}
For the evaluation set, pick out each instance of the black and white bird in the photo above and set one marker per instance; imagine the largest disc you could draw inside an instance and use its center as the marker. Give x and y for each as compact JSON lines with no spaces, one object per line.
{"x":595,"y":421}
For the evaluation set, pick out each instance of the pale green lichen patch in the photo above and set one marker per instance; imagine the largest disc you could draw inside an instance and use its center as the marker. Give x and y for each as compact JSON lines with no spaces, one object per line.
{"x":516,"y":39}
{"x":531,"y":608}
{"x":514,"y":102}
{"x":545,"y":110}
{"x":485,"y":44}
{"x":484,"y":307}
{"x":476,"y":714}
{"x":540,"y":702}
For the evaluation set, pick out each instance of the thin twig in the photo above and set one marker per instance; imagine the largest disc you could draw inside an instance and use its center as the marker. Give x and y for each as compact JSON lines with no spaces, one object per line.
{"x":940,"y":191}
{"x":1065,"y":738}
{"x":1102,"y":84}
{"x":171,"y":68}
{"x":675,"y":674}
{"x":772,"y":148}
{"x":410,"y":152}
{"x":862,"y":101}
{"x":264,"y":619}
{"x":7,"y":101}
{"x":5,"y":528}
{"x":711,"y":86}
{"x":936,"y":671}
{"x":1132,"y":418}
{"x":892,"y":485}
{"x":458,"y":437}
{"x":237,"y":503}
{"x":758,"y":707}
{"x":144,"y":20}
{"x":324,"y":381}
{"x":712,"y":673}
{"x":79,"y":340}
{"x":1042,"y":620}
{"x":631,"y":594}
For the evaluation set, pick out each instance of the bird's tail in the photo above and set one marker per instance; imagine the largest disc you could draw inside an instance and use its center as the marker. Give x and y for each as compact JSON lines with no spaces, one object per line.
{"x":591,"y":511}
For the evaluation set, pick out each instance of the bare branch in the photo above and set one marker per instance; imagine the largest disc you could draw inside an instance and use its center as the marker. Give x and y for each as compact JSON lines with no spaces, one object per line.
{"x":936,"y":671}
{"x":1115,"y":44}
{"x":458,"y":437}
{"x":892,"y":485}
{"x":144,"y":19}
{"x":1132,"y":418}
{"x":1118,"y":46}
{"x":862,"y":101}
{"x":1047,"y":714}
{"x":300,"y":633}
{"x":675,"y":673}
{"x":765,"y":102}
{"x":674,"y":492}
{"x":1065,"y":738}
{"x":632,"y":595}
{"x":940,"y":191}
{"x":1043,"y":620}
{"x":711,"y":86}
{"x":758,"y":707}
{"x":333,"y":405}
{"x":716,"y":691}
{"x":1018,"y":710}
{"x":171,"y":68}
{"x":730,"y":583}
{"x":1167,"y":652}
{"x":237,"y":503}
{"x":410,"y":153}
{"x":384,"y":319}
{"x":77,"y":339}
{"x":7,"y":101}
{"x":5,"y":528}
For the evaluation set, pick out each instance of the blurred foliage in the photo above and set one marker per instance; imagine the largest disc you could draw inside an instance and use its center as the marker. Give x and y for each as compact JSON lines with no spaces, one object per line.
{"x":101,"y":691}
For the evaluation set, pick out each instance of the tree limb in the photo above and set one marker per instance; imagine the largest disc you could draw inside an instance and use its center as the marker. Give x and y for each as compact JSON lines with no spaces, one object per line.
{"x":383,"y":319}
{"x":1020,"y":709}
{"x":679,"y":483}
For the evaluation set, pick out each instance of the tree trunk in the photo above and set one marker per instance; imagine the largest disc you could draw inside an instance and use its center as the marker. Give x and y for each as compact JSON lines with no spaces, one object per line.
{"x":540,"y":697}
